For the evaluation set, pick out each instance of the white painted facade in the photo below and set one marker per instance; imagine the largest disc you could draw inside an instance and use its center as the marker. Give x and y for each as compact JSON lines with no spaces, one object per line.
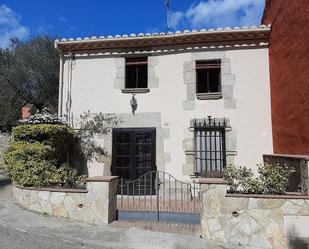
{"x":92,"y":85}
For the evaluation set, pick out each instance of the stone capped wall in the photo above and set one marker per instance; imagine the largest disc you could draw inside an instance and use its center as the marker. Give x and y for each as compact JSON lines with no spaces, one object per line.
{"x":261,"y":221}
{"x":95,"y":205}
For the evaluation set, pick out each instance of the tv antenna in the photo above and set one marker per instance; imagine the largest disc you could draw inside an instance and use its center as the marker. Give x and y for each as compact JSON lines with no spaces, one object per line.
{"x":168,"y":10}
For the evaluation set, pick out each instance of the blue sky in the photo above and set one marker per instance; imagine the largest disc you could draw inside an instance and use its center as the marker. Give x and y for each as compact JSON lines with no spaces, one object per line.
{"x":79,"y":18}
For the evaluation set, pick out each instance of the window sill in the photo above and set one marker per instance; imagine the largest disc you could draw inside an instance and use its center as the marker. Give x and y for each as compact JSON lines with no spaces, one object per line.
{"x":205,"y":96}
{"x":135,"y":90}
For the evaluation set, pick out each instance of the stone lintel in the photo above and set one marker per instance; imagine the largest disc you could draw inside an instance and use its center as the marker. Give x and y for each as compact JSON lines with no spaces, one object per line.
{"x":101,"y":178}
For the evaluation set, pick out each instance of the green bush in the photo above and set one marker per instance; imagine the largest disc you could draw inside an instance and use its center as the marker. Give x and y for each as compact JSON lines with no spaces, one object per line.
{"x":254,"y":186}
{"x":65,"y":176}
{"x":273,"y":179}
{"x":236,"y":177}
{"x":38,"y":157}
{"x":59,"y":137}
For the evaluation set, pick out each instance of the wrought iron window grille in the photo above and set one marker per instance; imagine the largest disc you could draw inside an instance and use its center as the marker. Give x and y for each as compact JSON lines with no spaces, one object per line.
{"x":209,"y":145}
{"x":209,"y":123}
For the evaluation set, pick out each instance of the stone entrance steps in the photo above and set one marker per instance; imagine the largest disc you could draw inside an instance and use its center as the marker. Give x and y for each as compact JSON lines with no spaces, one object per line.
{"x":166,"y":227}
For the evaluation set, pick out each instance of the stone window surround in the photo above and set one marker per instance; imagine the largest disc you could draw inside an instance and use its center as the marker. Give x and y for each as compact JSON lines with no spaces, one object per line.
{"x":227,"y":80}
{"x":188,"y":146}
{"x":140,"y":120}
{"x":119,"y":81}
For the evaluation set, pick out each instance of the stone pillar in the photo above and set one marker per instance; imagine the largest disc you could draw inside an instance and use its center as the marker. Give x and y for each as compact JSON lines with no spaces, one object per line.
{"x":212,"y":192}
{"x":104,"y":193}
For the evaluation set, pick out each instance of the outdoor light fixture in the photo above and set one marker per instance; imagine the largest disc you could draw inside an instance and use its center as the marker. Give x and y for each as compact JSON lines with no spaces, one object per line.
{"x":133,"y":104}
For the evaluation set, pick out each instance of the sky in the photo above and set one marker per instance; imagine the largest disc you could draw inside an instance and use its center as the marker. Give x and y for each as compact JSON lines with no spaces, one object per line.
{"x":79,"y":18}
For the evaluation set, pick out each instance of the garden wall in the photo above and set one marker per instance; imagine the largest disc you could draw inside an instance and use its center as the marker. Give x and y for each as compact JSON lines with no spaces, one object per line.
{"x":266,"y":221}
{"x":96,"y":204}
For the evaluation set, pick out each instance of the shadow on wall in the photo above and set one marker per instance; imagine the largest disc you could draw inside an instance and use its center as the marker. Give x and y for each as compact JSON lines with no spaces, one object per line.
{"x":78,"y":160}
{"x":298,"y":244}
{"x":294,"y":242}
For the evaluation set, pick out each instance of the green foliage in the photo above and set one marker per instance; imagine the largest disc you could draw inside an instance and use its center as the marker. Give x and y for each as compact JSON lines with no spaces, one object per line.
{"x":10,"y":102}
{"x":59,"y":137}
{"x":237,"y":177}
{"x":29,"y":73}
{"x":28,"y":163}
{"x":254,"y":186}
{"x":32,"y":71}
{"x":37,"y":156}
{"x":90,"y":126}
{"x":273,"y":179}
{"x":24,"y":151}
{"x":65,"y":176}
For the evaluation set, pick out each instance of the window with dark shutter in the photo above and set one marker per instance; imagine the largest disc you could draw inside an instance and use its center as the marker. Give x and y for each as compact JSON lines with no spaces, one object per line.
{"x":208,"y":79}
{"x":136,"y":73}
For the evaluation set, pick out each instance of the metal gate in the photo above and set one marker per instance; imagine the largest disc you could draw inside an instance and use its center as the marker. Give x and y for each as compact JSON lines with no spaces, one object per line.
{"x":158,"y":196}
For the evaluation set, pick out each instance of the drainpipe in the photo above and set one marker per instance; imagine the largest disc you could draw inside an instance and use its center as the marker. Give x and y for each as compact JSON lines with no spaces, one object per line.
{"x":60,"y":101}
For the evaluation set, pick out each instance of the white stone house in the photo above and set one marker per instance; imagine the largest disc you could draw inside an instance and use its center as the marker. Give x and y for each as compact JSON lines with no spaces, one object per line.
{"x":203,"y":99}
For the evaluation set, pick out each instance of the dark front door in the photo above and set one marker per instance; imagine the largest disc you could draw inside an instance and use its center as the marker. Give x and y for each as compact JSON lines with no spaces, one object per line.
{"x":133,"y":152}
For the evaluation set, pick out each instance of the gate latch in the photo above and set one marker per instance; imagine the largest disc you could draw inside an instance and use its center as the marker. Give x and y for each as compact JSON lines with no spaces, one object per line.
{"x":157,"y":183}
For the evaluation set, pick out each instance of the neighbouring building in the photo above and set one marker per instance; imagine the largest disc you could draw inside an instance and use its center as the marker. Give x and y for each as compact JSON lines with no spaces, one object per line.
{"x":26,"y":111}
{"x":203,"y":99}
{"x":289,"y":74}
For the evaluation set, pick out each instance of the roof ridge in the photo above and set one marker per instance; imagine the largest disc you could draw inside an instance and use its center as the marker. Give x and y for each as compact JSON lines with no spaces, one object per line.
{"x":158,"y":34}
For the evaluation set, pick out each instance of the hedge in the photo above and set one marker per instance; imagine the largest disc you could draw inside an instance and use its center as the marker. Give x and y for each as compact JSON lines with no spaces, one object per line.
{"x":38,"y":156}
{"x":59,"y":137}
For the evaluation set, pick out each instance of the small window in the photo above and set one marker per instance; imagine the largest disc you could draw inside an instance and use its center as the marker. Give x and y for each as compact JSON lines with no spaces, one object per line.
{"x":208,"y":77}
{"x":209,"y":144}
{"x":136,"y":73}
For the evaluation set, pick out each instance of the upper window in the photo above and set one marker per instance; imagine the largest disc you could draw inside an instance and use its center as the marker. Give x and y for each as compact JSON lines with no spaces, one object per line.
{"x":208,"y":77}
{"x":136,"y":73}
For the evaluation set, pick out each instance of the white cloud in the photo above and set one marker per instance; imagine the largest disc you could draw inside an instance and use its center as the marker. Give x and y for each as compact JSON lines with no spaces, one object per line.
{"x":10,"y":26}
{"x":219,"y":13}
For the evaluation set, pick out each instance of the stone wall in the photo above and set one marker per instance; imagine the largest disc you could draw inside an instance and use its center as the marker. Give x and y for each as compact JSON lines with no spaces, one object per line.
{"x":97,"y":204}
{"x":4,"y":140}
{"x":253,"y":220}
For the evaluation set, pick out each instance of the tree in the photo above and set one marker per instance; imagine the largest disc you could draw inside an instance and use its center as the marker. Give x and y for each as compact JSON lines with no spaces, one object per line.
{"x":29,"y":73}
{"x":10,"y":102}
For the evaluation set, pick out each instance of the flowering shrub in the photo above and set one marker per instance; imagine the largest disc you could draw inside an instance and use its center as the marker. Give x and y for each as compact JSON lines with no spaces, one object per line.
{"x":43,"y":117}
{"x":272,"y":179}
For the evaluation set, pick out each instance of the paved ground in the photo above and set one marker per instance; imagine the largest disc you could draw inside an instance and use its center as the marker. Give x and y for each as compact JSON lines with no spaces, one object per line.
{"x":165,"y":227}
{"x":22,"y":229}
